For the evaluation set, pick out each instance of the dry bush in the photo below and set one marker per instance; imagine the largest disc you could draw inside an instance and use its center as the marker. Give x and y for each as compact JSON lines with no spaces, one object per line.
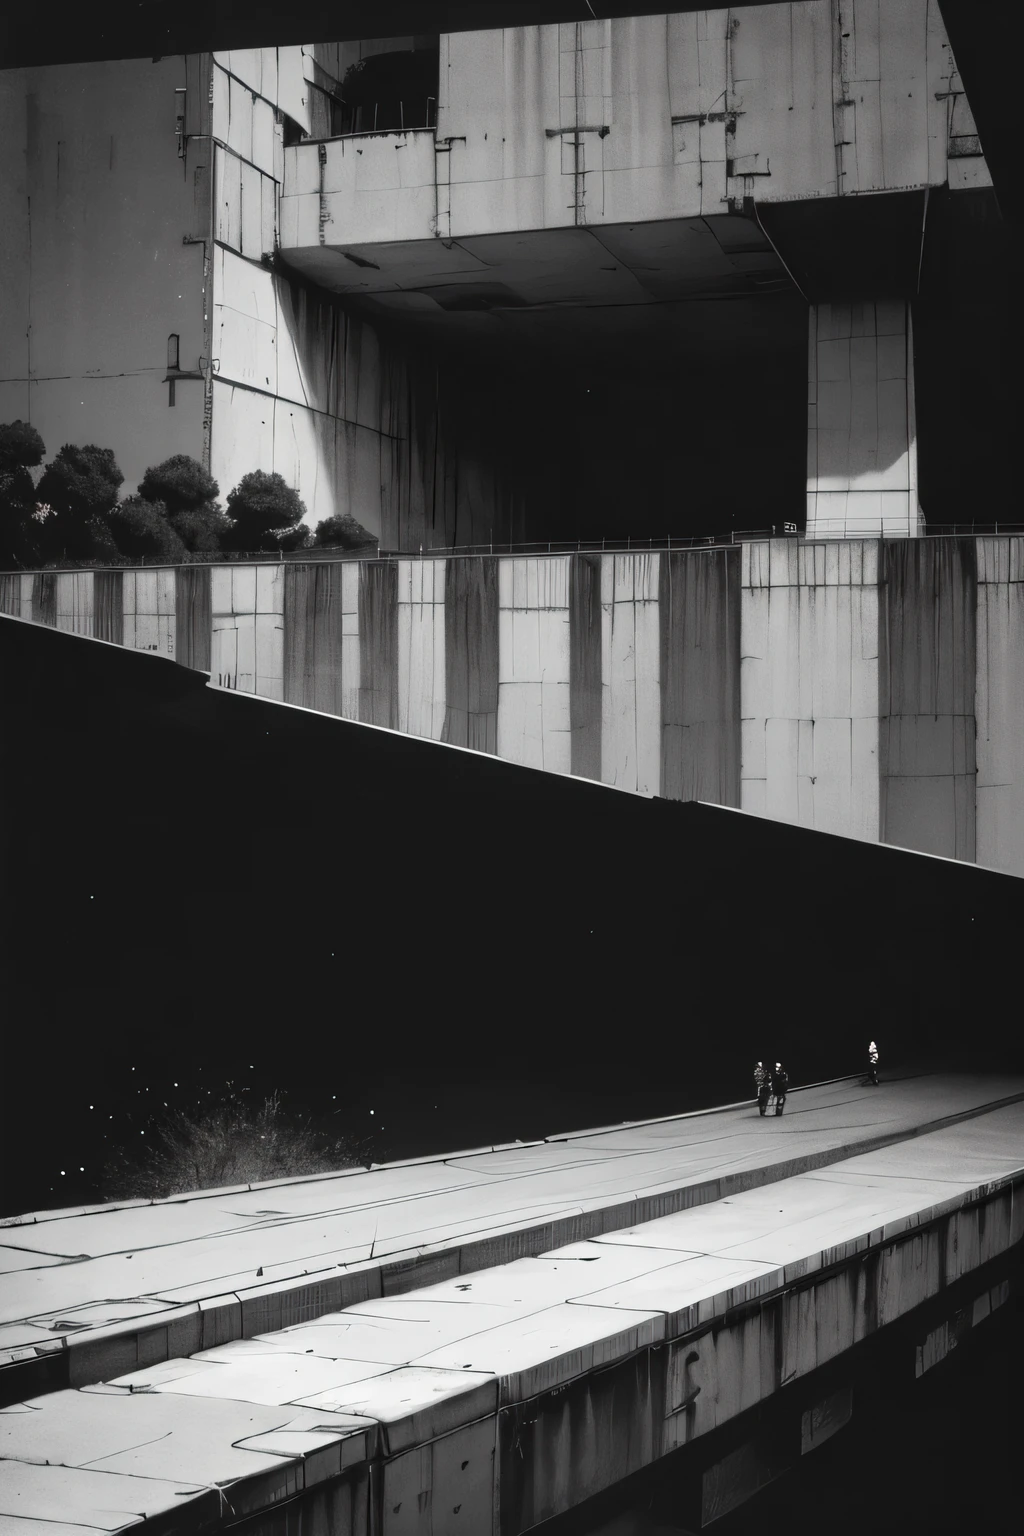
{"x":232,"y":1142}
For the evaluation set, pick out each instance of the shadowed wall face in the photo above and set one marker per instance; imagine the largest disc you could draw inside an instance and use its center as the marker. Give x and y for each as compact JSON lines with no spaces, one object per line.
{"x":193,"y":616}
{"x":585,"y":665}
{"x":929,"y":733}
{"x":108,"y":606}
{"x":471,"y":653}
{"x":378,"y":643}
{"x":314,"y":599}
{"x":700,"y":677}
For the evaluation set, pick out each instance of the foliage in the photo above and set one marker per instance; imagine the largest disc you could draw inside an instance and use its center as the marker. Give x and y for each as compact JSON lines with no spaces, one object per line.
{"x":21,"y":447}
{"x":299,"y":536}
{"x":81,"y":482}
{"x":204,"y":527}
{"x":342,"y":532}
{"x":181,"y":483}
{"x":232,"y":1142}
{"x":140,"y":529}
{"x":260,"y":505}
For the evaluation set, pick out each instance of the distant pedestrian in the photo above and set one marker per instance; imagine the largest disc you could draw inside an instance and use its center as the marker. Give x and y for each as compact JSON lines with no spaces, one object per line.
{"x":873,"y":1063}
{"x":762,"y":1086}
{"x":780,"y":1086}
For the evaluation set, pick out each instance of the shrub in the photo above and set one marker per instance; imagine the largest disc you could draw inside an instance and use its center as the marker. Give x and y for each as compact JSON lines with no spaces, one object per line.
{"x":181,"y":483}
{"x":299,"y":536}
{"x":81,"y":482}
{"x":343,"y":532}
{"x":260,"y":505}
{"x":140,"y":528}
{"x":203,"y":527}
{"x":232,"y":1142}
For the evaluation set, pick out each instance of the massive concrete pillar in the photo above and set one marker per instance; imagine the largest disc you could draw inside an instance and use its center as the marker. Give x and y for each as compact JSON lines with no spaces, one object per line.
{"x":861,"y":429}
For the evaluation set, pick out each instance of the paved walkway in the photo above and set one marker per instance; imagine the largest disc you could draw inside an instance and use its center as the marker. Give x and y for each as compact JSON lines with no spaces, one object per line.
{"x":236,"y":1262}
{"x":242,"y":1426}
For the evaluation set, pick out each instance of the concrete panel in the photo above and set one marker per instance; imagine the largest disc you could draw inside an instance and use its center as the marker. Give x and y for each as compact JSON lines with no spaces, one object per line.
{"x":929,"y":737}
{"x":444,"y":1485}
{"x":630,"y":670}
{"x":809,"y":685}
{"x":74,"y":601}
{"x":421,"y":666}
{"x":999,"y":704}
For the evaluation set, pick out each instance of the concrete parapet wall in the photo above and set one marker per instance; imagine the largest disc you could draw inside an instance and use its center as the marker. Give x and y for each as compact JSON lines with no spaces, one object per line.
{"x":868,"y":688}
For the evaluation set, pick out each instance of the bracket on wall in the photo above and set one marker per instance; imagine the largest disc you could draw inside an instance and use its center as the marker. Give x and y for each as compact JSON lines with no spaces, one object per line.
{"x":558,"y":133}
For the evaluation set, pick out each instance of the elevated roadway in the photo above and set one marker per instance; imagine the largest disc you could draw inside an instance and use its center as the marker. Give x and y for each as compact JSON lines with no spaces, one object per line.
{"x":500,"y":1400}
{"x":90,"y":1293}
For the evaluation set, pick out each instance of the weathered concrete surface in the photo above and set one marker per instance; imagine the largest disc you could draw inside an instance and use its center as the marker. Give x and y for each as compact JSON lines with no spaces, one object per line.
{"x":861,"y":425}
{"x":809,"y":683}
{"x":458,"y":1401}
{"x":862,"y":665}
{"x":107,"y":1287}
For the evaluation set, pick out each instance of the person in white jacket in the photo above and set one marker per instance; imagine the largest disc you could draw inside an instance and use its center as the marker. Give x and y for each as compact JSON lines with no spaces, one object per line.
{"x":873,"y":1064}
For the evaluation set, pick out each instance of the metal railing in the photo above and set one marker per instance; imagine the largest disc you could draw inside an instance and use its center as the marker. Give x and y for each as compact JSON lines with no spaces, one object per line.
{"x":628,"y":545}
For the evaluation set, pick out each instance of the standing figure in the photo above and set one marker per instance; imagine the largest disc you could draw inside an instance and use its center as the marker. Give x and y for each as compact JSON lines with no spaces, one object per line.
{"x":762,"y":1086}
{"x":873,"y":1063}
{"x":780,"y":1083}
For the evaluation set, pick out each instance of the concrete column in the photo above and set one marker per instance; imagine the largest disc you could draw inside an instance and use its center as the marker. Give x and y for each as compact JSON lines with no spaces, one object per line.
{"x":861,"y":429}
{"x":809,"y":685}
{"x":999,"y":704}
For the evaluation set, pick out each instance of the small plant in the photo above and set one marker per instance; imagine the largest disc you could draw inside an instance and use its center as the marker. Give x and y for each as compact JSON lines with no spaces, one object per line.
{"x":261,"y":507}
{"x":232,"y":1142}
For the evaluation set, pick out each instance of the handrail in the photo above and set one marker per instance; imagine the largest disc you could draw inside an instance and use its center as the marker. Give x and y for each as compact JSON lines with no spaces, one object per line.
{"x":537,"y":548}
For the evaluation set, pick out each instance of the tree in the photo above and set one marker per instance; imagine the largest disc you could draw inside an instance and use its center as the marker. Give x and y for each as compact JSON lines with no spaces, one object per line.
{"x":343,"y":532}
{"x":181,"y":483}
{"x":261,"y":506}
{"x":81,"y":486}
{"x":141,"y":530}
{"x":21,"y":449}
{"x":232,"y":1142}
{"x":298,"y":536}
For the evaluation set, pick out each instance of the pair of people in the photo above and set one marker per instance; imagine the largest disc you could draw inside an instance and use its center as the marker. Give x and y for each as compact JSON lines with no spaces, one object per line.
{"x":767,"y":1083}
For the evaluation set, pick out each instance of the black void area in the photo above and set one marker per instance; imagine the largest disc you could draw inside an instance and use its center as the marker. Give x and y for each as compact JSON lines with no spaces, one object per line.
{"x":201,"y":887}
{"x":626,"y":421}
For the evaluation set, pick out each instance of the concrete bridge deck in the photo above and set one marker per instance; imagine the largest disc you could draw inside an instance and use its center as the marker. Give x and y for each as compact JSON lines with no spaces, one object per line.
{"x":90,"y":1293}
{"x":452,"y":1408}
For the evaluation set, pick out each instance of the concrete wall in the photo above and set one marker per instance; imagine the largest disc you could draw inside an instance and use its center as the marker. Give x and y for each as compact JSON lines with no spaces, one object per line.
{"x":867,"y":688}
{"x":94,"y":274}
{"x":533,"y":663}
{"x":928,"y":748}
{"x":676,"y":116}
{"x":861,"y":426}
{"x":630,"y":672}
{"x":810,"y":684}
{"x":999,"y":704}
